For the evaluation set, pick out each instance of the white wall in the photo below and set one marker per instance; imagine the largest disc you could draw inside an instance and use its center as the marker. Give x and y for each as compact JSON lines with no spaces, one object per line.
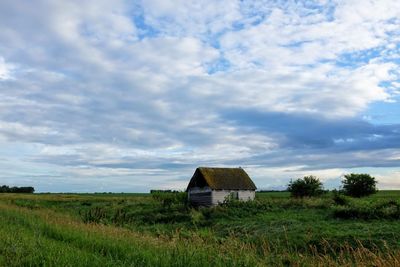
{"x":247,"y":195}
{"x":218,"y":196}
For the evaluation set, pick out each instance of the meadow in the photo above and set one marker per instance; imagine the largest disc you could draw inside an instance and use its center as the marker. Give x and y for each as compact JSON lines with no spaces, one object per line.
{"x":162,"y":230}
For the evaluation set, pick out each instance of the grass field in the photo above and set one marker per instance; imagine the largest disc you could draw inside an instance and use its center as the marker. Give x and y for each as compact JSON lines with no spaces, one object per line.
{"x":142,"y":230}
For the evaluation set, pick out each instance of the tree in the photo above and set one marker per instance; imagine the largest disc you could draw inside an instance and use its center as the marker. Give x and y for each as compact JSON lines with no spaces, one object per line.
{"x":359,"y":185}
{"x":309,"y":186}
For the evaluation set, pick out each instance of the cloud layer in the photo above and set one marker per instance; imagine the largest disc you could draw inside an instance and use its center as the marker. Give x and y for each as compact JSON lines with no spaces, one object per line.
{"x":129,"y":95}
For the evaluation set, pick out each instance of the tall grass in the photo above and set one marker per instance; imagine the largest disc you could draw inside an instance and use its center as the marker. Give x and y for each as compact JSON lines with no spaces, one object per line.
{"x":80,"y":230}
{"x":35,"y":237}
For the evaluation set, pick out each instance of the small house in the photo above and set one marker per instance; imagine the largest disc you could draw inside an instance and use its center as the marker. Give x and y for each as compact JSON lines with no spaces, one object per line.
{"x":211,"y":186}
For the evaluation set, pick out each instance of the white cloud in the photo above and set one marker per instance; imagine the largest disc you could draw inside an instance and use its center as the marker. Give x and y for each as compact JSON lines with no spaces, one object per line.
{"x":15,"y":130}
{"x":388,"y":181}
{"x":114,"y":87}
{"x":191,"y":18}
{"x":5,"y":70}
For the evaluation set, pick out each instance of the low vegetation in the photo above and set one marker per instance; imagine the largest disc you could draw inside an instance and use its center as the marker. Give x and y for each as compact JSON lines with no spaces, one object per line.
{"x":388,"y":210}
{"x":160,"y":229}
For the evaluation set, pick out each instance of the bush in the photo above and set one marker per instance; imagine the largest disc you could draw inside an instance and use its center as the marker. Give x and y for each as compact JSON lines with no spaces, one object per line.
{"x":94,"y":215}
{"x":339,"y":198}
{"x":389,"y":210}
{"x":167,"y":199}
{"x":359,"y":185}
{"x":309,"y":186}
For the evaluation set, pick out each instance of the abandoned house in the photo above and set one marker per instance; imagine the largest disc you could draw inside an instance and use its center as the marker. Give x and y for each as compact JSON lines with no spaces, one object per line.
{"x":210,"y":186}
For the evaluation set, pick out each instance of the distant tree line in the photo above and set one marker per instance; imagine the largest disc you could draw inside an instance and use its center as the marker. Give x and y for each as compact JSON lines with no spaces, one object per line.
{"x":16,"y":189}
{"x":156,"y":191}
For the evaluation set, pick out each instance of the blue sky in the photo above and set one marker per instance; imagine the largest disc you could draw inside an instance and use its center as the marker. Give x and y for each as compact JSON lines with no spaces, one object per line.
{"x":126,"y":96}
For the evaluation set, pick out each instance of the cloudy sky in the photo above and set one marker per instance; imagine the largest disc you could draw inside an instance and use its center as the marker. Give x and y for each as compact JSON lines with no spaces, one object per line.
{"x":133,"y":95}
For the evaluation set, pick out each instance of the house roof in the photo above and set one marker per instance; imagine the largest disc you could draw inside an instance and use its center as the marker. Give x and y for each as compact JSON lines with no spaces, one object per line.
{"x":222,"y":179}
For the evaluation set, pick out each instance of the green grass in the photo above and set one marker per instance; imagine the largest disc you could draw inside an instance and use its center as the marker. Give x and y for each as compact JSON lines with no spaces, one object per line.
{"x":138,"y":230}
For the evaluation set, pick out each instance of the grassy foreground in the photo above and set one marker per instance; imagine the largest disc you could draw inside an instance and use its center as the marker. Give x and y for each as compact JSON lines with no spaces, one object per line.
{"x":140,"y":230}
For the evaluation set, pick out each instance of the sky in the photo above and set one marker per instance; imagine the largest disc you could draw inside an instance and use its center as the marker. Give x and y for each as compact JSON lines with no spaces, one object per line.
{"x":128,"y":96}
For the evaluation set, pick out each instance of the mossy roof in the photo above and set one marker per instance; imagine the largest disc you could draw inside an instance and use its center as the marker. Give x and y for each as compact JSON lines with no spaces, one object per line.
{"x":222,"y":179}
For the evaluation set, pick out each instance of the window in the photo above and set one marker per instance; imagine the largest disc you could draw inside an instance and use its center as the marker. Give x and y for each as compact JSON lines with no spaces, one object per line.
{"x":234,"y":195}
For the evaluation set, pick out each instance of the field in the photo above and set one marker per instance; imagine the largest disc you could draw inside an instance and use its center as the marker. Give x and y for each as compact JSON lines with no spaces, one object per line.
{"x":161,"y":230}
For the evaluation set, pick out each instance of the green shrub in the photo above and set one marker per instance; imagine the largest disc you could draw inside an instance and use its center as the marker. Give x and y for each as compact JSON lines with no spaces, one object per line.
{"x":359,"y":185}
{"x":94,"y":215}
{"x":339,"y":198}
{"x":197,"y":217}
{"x":309,"y":186}
{"x":389,"y":210}
{"x":167,"y":199}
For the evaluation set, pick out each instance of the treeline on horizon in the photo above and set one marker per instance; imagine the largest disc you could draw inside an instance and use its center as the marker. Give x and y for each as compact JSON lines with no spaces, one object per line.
{"x":16,"y":189}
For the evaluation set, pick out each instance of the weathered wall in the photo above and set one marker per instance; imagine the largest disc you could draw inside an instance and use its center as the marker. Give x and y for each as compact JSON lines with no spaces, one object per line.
{"x":200,"y":196}
{"x":247,"y":195}
{"x":206,"y":197}
{"x":218,"y":196}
